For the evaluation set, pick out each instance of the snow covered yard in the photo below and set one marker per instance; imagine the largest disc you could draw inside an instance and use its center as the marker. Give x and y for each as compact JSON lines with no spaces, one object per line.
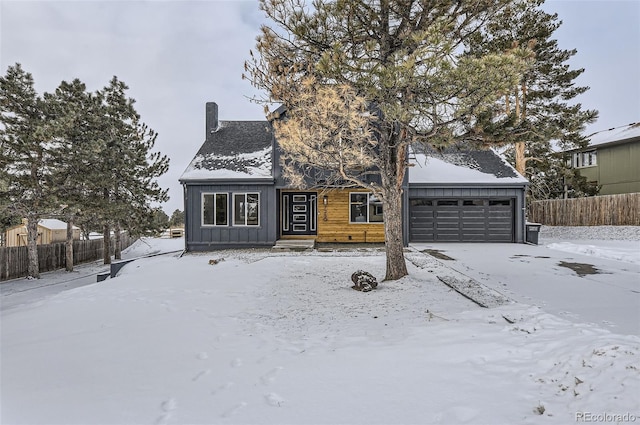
{"x":263,"y":338}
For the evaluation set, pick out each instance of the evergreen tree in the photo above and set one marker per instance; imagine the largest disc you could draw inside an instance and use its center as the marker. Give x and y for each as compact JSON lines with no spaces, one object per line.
{"x":129,"y":167}
{"x":404,"y":58}
{"x":75,"y":122}
{"x":538,"y":110}
{"x":161,"y":219}
{"x":177,"y":219}
{"x":24,"y":155}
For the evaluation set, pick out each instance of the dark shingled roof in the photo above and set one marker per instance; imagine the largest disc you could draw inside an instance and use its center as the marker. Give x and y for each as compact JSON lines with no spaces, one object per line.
{"x":227,"y":148}
{"x":235,"y":137}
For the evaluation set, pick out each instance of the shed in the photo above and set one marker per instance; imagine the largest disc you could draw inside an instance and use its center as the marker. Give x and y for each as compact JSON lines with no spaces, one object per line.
{"x":50,"y":231}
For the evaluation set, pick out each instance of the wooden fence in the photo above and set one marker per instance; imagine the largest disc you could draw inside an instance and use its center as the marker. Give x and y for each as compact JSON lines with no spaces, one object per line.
{"x":606,"y":210}
{"x":14,"y":261}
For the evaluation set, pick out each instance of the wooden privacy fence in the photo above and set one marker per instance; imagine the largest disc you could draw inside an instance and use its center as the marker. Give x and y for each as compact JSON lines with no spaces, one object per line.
{"x":14,"y":261}
{"x":606,"y":210}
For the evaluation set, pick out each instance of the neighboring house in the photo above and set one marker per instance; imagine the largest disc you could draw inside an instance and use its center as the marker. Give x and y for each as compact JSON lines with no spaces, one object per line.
{"x":50,"y":231}
{"x":235,"y":196}
{"x":611,"y":160}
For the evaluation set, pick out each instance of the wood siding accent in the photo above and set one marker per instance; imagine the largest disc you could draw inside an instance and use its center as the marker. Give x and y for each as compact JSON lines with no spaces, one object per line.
{"x":333,"y":220}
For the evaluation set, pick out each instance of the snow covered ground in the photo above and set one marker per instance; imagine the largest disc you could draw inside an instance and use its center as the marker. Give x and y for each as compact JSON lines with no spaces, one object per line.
{"x":280,"y":338}
{"x":608,"y":295}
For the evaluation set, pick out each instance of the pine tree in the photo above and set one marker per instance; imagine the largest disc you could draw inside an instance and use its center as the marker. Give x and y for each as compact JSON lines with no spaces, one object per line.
{"x":177,"y":218}
{"x":405,"y":59}
{"x":24,"y":155}
{"x":75,"y":122}
{"x":538,"y":110}
{"x":129,"y":168}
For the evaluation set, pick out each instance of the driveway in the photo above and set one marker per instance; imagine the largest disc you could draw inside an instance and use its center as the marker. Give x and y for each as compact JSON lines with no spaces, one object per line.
{"x":580,"y":288}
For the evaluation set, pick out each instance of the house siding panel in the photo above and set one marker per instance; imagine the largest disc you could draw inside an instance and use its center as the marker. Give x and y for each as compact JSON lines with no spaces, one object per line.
{"x":618,"y":170}
{"x":206,"y":238}
{"x":334,"y":225}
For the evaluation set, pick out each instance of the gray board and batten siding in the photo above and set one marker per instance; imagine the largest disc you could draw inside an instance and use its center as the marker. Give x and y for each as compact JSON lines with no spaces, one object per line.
{"x":210,"y":237}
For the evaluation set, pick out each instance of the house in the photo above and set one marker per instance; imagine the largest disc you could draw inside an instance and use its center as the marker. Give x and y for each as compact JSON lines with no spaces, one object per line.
{"x":50,"y":231}
{"x":235,"y":196}
{"x":611,"y":160}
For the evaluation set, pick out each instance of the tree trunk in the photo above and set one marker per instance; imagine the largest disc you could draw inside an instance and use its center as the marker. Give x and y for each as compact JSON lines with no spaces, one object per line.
{"x":33,"y":270}
{"x":106,"y":244}
{"x":69,"y":245}
{"x":117,"y":241}
{"x":396,"y":265}
{"x":521,"y":162}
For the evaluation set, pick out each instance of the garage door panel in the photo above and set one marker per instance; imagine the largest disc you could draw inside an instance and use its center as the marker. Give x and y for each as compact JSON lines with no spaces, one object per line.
{"x":462,"y":220}
{"x":470,"y":215}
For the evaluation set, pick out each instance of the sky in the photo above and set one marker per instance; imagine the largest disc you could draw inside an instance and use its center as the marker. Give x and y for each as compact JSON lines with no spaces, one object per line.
{"x":177,"y":55}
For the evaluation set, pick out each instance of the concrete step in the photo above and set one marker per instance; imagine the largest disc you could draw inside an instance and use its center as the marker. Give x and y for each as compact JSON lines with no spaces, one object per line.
{"x":294,"y":244}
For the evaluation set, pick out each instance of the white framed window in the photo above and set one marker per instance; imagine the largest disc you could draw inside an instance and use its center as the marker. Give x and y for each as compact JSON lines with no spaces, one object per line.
{"x":364,"y":208}
{"x":585,"y":159}
{"x":215,"y":209}
{"x":246,"y":209}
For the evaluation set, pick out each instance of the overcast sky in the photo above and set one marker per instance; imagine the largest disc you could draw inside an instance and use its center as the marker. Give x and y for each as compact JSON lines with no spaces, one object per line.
{"x":177,"y":55}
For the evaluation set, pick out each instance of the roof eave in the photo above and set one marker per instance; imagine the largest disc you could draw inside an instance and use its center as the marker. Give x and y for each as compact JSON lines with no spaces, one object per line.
{"x":227,"y":181}
{"x":603,"y":145}
{"x":469,"y":184}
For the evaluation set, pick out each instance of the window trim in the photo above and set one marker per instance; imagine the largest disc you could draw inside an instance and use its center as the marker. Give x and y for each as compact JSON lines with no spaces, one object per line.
{"x":578,"y":158}
{"x":215,"y":202}
{"x":233,"y":209}
{"x":368,"y":207}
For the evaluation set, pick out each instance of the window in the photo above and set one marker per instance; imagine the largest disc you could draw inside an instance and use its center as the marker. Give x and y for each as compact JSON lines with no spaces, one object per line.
{"x":585,"y":159}
{"x":215,"y":209}
{"x":364,"y":208}
{"x":246,"y":209}
{"x":421,"y":202}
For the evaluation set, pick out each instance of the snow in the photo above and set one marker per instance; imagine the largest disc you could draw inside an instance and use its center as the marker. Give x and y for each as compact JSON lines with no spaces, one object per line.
{"x":280,"y":338}
{"x":428,"y":169}
{"x":261,"y":167}
{"x":615,"y":134}
{"x":54,"y":224}
{"x":143,"y":247}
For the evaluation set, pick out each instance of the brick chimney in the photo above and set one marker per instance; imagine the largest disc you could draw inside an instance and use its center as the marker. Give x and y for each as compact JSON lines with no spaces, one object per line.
{"x":211,"y":115}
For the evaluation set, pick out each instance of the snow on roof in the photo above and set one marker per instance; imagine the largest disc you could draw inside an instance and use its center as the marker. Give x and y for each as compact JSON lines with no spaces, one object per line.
{"x":615,"y":134}
{"x":463,"y":167}
{"x":249,"y":165}
{"x":53,"y":224}
{"x":236,"y":150}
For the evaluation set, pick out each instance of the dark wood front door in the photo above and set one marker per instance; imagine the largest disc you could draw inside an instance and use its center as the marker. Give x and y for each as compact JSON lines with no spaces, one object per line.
{"x":299,"y":213}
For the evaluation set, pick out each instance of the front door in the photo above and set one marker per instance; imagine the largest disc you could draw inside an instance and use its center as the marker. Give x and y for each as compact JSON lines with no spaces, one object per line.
{"x":299,"y":213}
